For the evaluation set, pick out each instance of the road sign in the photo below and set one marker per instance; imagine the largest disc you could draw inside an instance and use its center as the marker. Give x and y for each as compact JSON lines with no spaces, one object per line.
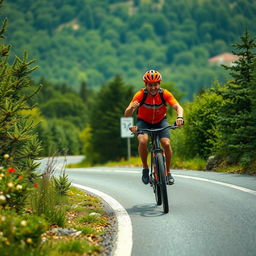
{"x":125,"y":123}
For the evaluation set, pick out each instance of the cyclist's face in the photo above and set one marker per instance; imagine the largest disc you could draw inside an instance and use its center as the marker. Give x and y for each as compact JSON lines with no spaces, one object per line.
{"x":152,"y":88}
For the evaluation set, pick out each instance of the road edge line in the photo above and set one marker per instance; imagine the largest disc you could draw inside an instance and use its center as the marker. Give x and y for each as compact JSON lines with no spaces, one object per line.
{"x":247,"y":190}
{"x":123,"y":244}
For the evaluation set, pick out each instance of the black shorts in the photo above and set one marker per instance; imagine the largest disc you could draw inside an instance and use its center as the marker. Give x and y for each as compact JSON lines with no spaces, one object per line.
{"x":163,"y":123}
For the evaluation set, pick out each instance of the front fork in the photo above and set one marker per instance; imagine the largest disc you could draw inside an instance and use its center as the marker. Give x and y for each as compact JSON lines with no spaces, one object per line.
{"x":154,"y":178}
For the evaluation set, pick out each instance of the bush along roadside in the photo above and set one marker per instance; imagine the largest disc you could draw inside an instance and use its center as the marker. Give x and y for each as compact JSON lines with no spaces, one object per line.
{"x":50,"y":217}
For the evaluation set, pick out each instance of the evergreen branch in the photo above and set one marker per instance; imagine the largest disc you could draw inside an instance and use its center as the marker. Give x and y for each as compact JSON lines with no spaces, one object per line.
{"x":3,"y":29}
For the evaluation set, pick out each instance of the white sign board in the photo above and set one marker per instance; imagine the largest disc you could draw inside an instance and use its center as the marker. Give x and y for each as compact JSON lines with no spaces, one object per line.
{"x":125,"y":123}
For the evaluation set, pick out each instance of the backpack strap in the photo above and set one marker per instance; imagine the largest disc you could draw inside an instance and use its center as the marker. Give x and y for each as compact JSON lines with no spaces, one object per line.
{"x":161,"y":92}
{"x":144,"y":97}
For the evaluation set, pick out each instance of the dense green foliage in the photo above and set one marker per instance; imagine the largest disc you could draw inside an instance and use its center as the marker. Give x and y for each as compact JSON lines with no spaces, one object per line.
{"x":19,"y":146}
{"x":93,"y":41}
{"x":221,"y":121}
{"x":236,"y":124}
{"x":106,"y":142}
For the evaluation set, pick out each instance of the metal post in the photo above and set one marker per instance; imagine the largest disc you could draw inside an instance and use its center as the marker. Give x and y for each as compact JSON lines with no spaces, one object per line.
{"x":128,"y":148}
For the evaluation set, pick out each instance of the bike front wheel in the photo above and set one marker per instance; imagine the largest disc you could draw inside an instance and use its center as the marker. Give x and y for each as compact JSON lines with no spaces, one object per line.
{"x":162,"y":181}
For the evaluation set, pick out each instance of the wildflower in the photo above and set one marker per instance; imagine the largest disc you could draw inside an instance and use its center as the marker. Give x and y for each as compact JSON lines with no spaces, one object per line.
{"x":23,"y":223}
{"x":2,"y":198}
{"x":35,"y":186}
{"x":1,"y":178}
{"x":6,"y":156}
{"x":29,"y":240}
{"x":8,"y":196}
{"x":6,"y":240}
{"x":10,"y":184}
{"x":20,"y":177}
{"x":1,"y":234}
{"x":2,"y":218}
{"x":11,"y":170}
{"x":19,"y":187}
{"x":1,"y":175}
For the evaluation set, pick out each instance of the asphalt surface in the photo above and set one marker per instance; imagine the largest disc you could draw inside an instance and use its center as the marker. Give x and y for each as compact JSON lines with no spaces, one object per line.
{"x":204,"y":218}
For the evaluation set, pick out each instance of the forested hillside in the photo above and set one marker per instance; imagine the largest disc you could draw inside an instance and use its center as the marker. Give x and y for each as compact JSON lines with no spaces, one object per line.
{"x":92,"y":41}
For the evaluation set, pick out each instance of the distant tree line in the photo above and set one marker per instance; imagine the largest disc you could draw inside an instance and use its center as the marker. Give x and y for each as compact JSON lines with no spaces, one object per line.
{"x":94,"y":41}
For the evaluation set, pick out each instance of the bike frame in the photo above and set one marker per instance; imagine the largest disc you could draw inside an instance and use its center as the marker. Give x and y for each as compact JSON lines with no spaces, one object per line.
{"x":158,"y":172}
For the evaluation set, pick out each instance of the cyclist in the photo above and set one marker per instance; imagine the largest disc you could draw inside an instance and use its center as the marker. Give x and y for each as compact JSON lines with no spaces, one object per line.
{"x":152,"y":114}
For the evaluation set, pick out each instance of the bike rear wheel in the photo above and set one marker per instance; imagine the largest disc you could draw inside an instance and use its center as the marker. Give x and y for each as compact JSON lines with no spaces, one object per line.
{"x":162,"y":181}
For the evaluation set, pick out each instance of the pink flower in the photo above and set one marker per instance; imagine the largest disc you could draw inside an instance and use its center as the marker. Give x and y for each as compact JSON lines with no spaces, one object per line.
{"x":11,"y":170}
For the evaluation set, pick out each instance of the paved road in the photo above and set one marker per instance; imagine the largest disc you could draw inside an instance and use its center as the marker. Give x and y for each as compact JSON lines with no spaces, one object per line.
{"x":204,"y":219}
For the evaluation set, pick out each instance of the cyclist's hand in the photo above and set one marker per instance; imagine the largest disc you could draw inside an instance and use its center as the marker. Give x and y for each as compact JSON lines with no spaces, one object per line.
{"x":179,"y":121}
{"x":135,"y":105}
{"x":133,"y":129}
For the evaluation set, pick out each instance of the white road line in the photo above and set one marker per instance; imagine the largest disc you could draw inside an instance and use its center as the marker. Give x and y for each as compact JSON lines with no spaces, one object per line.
{"x":123,"y":244}
{"x":247,"y":190}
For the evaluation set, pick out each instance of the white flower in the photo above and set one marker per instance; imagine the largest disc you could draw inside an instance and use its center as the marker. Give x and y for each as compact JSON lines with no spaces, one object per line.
{"x":2,"y":198}
{"x":19,"y":187}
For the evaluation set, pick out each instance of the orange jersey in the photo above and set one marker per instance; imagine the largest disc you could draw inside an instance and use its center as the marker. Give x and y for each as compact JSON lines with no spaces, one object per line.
{"x":153,"y":110}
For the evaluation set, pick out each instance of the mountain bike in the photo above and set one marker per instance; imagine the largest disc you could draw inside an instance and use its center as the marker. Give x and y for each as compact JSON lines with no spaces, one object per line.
{"x":158,"y":172}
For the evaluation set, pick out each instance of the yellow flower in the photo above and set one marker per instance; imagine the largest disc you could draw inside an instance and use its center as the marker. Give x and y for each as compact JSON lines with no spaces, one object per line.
{"x":2,"y":218}
{"x":6,"y":240}
{"x":10,"y":184}
{"x":23,"y":223}
{"x":6,"y":156}
{"x":29,"y":241}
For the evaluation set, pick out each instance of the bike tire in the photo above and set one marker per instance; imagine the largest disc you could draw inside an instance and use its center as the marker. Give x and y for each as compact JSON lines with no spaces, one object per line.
{"x":162,"y":181}
{"x":157,"y":191}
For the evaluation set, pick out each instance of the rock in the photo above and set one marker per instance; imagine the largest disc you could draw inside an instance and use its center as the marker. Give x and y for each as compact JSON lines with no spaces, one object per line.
{"x":65,"y":231}
{"x":212,"y":162}
{"x":95,"y":214}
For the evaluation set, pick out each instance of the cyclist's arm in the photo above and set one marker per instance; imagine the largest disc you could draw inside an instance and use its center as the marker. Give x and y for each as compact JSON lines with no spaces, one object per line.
{"x":131,"y":108}
{"x":179,"y":111}
{"x":170,"y":99}
{"x":134,"y":104}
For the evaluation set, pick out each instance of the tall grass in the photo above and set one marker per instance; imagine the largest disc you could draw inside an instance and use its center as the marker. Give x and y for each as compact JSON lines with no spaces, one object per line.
{"x":45,"y":200}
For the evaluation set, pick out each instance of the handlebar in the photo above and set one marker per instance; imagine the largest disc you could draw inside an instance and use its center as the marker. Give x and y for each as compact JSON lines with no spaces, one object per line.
{"x":171,"y":127}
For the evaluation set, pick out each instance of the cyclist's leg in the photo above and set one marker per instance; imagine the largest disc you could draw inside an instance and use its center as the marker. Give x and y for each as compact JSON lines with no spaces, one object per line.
{"x":143,"y":150}
{"x":165,"y":142}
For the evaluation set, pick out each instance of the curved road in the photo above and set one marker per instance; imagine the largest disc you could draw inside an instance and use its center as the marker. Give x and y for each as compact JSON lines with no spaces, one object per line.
{"x":208,"y":215}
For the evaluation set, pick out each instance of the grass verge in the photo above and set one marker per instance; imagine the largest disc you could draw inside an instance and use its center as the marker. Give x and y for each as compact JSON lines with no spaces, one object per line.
{"x":86,"y":215}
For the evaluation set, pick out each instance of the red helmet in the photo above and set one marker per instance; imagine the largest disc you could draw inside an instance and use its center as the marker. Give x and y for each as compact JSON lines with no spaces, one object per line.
{"x":152,"y":76}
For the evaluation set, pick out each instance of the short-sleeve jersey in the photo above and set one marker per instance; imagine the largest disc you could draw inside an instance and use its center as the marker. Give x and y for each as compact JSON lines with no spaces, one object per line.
{"x":153,"y":109}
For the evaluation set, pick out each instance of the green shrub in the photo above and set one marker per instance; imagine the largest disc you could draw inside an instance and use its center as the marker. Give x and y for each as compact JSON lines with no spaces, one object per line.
{"x":19,"y":232}
{"x":13,"y":189}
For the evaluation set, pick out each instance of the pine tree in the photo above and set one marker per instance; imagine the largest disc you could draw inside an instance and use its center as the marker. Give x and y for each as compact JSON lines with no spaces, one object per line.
{"x":237,"y":119}
{"x":109,"y":105}
{"x":19,"y":146}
